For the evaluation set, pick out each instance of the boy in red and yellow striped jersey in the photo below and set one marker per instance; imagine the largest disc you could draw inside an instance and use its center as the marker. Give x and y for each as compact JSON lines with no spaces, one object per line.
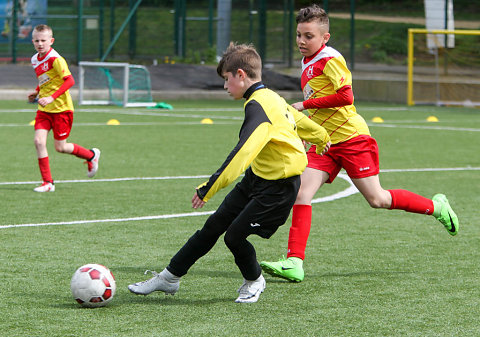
{"x":55,"y":107}
{"x":328,"y":97}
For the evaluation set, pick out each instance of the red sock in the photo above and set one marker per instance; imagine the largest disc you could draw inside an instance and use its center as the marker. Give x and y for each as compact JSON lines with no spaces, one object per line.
{"x":410,"y":202}
{"x":44,"y":165}
{"x":82,"y":152}
{"x":298,"y":236}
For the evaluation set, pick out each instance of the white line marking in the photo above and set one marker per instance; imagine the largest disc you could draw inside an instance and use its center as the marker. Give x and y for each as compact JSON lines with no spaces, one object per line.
{"x":423,"y":127}
{"x":350,"y":190}
{"x":79,"y":222}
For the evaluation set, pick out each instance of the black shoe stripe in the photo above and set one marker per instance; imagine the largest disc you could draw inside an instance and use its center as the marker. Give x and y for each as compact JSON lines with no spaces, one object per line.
{"x":452,"y":229}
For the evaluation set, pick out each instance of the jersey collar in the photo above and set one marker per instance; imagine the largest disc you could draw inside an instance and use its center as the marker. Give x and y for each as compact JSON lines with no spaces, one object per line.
{"x":254,"y":87}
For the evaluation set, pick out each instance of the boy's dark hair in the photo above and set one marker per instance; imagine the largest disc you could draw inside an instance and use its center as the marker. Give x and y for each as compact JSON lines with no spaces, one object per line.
{"x":43,"y":28}
{"x":240,"y":56}
{"x":313,"y":13}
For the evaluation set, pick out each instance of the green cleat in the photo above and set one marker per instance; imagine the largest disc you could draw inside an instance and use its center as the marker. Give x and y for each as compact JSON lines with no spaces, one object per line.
{"x":290,"y":269}
{"x":447,"y":216}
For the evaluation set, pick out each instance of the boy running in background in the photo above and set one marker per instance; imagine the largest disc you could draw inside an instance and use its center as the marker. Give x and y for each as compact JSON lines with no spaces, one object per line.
{"x":55,"y":107}
{"x":272,"y":156}
{"x":327,"y":89}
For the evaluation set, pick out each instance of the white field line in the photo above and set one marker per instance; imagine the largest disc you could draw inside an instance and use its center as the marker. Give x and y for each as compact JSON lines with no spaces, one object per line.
{"x":350,"y":190}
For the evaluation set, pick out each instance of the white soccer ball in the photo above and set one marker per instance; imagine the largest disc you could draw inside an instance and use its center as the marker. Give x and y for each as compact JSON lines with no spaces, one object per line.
{"x":93,"y":285}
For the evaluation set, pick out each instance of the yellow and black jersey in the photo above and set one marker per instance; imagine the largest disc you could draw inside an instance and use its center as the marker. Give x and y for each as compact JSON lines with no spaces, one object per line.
{"x":268,"y":141}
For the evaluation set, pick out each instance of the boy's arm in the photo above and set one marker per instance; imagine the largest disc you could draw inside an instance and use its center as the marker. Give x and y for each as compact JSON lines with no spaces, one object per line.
{"x":33,"y":95}
{"x":253,"y":137}
{"x":67,"y":84}
{"x":310,"y":131}
{"x":343,"y":96}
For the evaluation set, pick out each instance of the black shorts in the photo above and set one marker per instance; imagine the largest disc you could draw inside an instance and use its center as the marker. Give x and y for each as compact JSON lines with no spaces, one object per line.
{"x":258,"y":205}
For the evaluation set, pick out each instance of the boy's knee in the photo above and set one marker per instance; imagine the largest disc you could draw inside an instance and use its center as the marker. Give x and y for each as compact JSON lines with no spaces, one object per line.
{"x":376,"y":202}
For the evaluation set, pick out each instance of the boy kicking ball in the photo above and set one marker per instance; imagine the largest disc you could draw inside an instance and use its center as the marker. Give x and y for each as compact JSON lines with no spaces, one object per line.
{"x":55,"y":107}
{"x":272,"y":156}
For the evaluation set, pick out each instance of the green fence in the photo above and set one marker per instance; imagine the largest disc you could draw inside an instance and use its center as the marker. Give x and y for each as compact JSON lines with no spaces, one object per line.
{"x":186,"y":30}
{"x":157,"y":31}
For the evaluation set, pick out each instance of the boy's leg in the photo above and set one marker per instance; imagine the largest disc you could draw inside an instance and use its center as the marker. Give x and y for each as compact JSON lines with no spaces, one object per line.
{"x":40,"y":140}
{"x":62,"y":126}
{"x":203,"y":240}
{"x":292,"y":268}
{"x":197,"y":246}
{"x":408,"y":201}
{"x":264,"y":213}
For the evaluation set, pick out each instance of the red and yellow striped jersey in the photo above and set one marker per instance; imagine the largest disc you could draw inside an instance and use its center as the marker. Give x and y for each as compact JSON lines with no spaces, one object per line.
{"x":322,"y":75}
{"x":51,"y":70}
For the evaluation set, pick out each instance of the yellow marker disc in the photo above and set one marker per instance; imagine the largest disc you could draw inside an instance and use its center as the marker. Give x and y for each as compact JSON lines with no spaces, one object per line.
{"x":377,"y":119}
{"x":206,"y":121}
{"x":432,"y":119}
{"x":113,"y":122}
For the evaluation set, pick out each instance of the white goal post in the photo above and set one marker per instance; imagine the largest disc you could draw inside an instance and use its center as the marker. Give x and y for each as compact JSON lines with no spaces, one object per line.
{"x":114,"y":83}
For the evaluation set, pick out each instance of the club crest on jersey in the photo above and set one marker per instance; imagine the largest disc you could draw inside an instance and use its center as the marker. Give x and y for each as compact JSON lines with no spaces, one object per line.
{"x":45,"y":66}
{"x":310,"y":72}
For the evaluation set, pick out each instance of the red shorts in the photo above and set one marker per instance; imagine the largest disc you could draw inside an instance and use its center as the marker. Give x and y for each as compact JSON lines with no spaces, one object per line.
{"x":61,"y":123}
{"x":358,"y":156}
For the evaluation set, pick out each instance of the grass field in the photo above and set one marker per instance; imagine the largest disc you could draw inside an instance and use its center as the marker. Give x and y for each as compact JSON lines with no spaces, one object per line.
{"x":368,"y":272}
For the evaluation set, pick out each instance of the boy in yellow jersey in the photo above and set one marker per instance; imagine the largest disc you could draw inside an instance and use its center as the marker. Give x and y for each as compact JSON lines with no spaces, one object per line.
{"x":327,"y":88}
{"x":55,"y":107}
{"x":272,"y":156}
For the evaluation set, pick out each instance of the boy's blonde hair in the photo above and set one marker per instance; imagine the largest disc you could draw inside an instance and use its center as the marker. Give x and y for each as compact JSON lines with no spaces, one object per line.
{"x":313,"y":13}
{"x":43,"y":28}
{"x":240,"y":56}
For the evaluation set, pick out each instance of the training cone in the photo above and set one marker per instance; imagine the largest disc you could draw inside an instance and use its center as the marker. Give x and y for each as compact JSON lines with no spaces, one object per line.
{"x":377,"y":119}
{"x":206,"y":121}
{"x":32,"y":123}
{"x":432,"y":119}
{"x":113,"y":122}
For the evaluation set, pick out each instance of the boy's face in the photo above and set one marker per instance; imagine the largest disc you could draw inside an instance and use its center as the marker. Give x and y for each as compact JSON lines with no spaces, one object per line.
{"x":311,"y":36}
{"x":235,"y":84}
{"x":42,"y":41}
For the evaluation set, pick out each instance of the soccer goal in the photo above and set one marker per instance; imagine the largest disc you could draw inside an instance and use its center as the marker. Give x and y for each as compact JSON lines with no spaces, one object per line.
{"x":110,"y":83}
{"x":443,"y":67}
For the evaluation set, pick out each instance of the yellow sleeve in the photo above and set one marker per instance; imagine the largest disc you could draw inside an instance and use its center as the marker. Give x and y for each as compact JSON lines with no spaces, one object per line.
{"x":254,"y":135}
{"x":61,"y":67}
{"x":310,"y":131}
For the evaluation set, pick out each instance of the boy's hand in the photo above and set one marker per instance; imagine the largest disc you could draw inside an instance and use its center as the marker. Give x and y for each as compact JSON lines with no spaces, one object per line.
{"x":324,"y":150}
{"x":299,"y":106}
{"x":45,"y":100}
{"x":197,"y":202}
{"x":32,"y":97}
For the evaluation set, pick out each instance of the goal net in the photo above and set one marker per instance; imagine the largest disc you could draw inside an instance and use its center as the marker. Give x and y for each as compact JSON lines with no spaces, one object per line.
{"x":109,"y":83}
{"x":443,"y":76}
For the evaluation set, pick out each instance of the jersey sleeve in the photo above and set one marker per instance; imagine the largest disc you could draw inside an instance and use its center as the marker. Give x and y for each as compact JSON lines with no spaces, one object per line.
{"x":61,"y":67}
{"x":336,"y":70}
{"x":254,"y":135}
{"x":308,"y":130}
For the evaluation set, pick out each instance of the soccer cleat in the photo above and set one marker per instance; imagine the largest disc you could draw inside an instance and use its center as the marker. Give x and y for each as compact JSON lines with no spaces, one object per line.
{"x":157,"y":283}
{"x":447,"y":216}
{"x":290,"y":269}
{"x":93,"y":163}
{"x":250,"y":291}
{"x":45,"y":187}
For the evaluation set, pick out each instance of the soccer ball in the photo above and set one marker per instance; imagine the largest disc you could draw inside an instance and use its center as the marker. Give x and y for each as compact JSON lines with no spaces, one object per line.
{"x":93,"y":285}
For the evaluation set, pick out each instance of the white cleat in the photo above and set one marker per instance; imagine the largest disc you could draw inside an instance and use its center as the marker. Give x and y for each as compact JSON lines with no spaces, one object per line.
{"x":93,"y":163}
{"x":45,"y":187}
{"x":157,"y":283}
{"x":250,"y":291}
